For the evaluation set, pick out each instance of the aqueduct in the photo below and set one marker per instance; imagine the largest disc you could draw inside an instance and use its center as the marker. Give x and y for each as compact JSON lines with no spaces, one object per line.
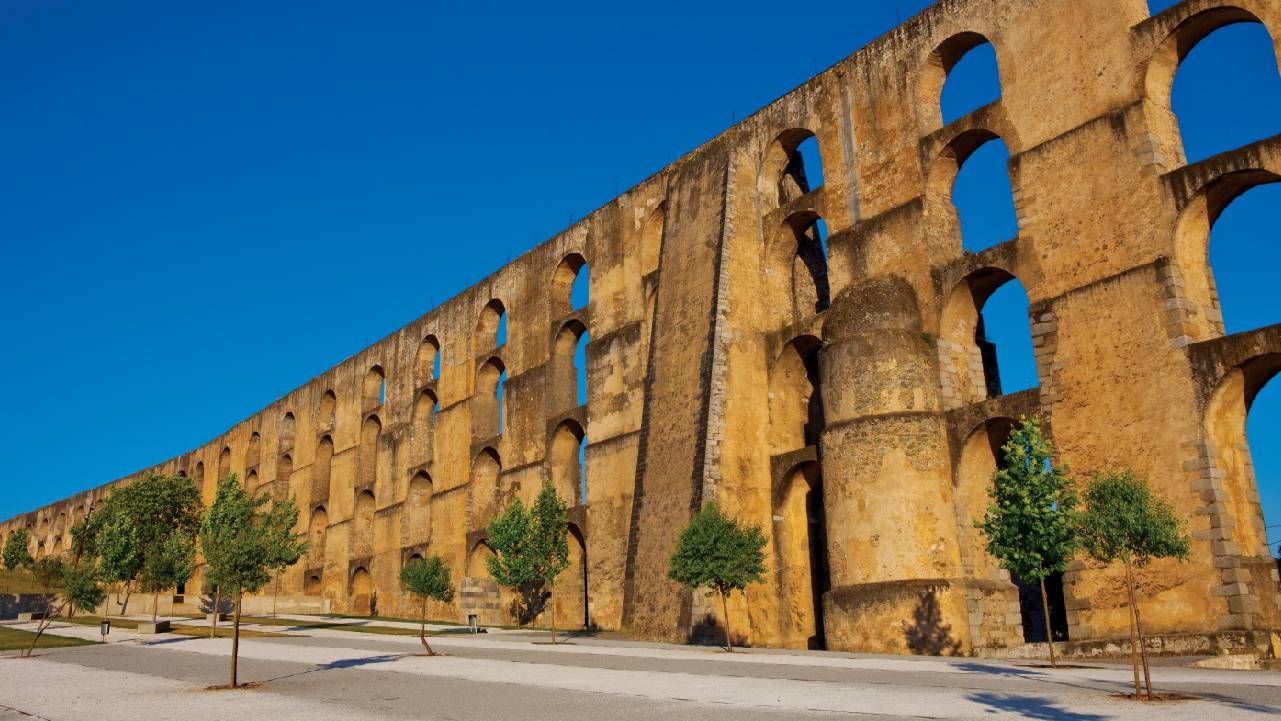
{"x":806,"y":345}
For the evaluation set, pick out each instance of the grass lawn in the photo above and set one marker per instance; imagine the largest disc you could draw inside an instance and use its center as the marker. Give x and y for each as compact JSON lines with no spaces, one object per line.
{"x":13,"y":639}
{"x":186,"y":629}
{"x":384,"y":630}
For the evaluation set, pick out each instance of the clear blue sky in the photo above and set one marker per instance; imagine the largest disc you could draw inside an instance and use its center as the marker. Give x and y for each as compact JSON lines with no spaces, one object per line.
{"x":203,"y":207}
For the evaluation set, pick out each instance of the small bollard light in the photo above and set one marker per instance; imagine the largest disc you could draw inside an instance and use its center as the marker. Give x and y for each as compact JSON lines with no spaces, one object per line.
{"x":473,"y":622}
{"x":104,"y":628}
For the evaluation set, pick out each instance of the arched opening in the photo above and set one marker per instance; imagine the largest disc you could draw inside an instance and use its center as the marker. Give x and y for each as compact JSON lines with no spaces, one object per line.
{"x":418,"y":510}
{"x":363,"y":525}
{"x":491,"y":328}
{"x":424,"y":425}
{"x":565,"y":463}
{"x":981,"y":457}
{"x":973,"y":81}
{"x":1217,"y":72}
{"x":568,"y":377}
{"x":796,"y":267}
{"x":224,"y":464}
{"x":374,"y":390}
{"x":317,"y":526}
{"x":483,"y":498}
{"x":792,"y":167}
{"x":370,"y":433}
{"x":572,"y":604}
{"x":252,"y":483}
{"x":800,"y":548}
{"x":985,"y":339}
{"x":328,"y":411}
{"x":651,"y":240}
{"x":284,"y":469}
{"x":487,"y":403}
{"x":795,"y":405}
{"x":983,"y":197}
{"x":321,"y":470}
{"x":361,"y":592}
{"x":198,"y":476}
{"x":288,"y":429}
{"x":312,"y":586}
{"x":569,"y":286}
{"x":253,"y":454}
{"x":427,"y":362}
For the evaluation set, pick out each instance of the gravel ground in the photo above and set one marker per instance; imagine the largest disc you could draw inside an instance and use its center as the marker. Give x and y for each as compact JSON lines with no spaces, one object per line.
{"x":324,"y":674}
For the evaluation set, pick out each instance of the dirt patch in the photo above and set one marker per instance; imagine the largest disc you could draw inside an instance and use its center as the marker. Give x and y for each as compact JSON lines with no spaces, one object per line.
{"x":1157,"y":697}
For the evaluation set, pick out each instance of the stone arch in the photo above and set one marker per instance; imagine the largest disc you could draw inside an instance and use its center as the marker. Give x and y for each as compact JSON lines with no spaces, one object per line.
{"x":328,"y":410}
{"x":563,"y":393}
{"x":370,"y":434}
{"x":968,"y":367}
{"x":1173,"y":46}
{"x":1192,"y":236}
{"x":363,"y":524}
{"x":374,"y":389}
{"x":944,"y":231}
{"x":317,"y":528}
{"x":800,"y":554}
{"x":562,"y":284}
{"x":362,"y":592}
{"x":651,"y":239}
{"x":224,"y":463}
{"x":476,"y":565}
{"x":427,"y":362}
{"x":493,"y":318}
{"x":486,"y":467}
{"x":572,"y":601}
{"x":795,"y":403}
{"x":253,"y":452}
{"x":796,"y":267}
{"x":784,"y":176}
{"x":418,"y":509}
{"x":252,"y":484}
{"x":487,"y":403}
{"x":288,"y":429}
{"x":1225,"y":426}
{"x":198,"y":477}
{"x":322,"y":470}
{"x":312,"y":586}
{"x":284,"y":470}
{"x":564,"y":461}
{"x":423,"y":422}
{"x":934,"y":73}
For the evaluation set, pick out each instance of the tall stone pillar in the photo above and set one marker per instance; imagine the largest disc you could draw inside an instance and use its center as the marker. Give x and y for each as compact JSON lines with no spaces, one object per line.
{"x":891,"y":527}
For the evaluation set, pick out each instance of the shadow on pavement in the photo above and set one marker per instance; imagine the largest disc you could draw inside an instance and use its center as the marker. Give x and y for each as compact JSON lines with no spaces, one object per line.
{"x":1032,"y":707}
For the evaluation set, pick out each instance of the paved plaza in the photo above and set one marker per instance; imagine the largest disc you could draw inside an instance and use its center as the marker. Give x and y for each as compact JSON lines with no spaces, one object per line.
{"x":328,"y":673}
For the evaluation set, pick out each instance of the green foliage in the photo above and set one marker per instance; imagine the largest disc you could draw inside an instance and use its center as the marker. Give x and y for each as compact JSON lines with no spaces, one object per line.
{"x":510,"y":534}
{"x":428,"y":578}
{"x":145,"y":531}
{"x":1125,"y":521}
{"x":242,"y":543}
{"x":1031,"y":521}
{"x":548,"y":547}
{"x":15,"y":552}
{"x":80,"y":587}
{"x":718,"y":552}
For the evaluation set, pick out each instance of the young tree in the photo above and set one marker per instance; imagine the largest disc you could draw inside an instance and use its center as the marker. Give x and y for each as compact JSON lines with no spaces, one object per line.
{"x":242,"y":543}
{"x":427,"y":579}
{"x":1030,"y":523}
{"x":144,"y":533}
{"x":1125,"y":521}
{"x":548,"y":545}
{"x":15,"y":552}
{"x":718,"y":552}
{"x":510,"y":535}
{"x":78,"y":586}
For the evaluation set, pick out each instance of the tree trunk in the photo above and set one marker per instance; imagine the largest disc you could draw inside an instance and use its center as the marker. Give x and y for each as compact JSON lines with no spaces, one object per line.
{"x":235,"y":639}
{"x":729,"y":645}
{"x":1134,"y":637}
{"x":422,"y":627}
{"x":155,"y":605}
{"x":552,"y":590}
{"x":217,"y":603}
{"x":40,"y":628}
{"x":275,"y":591}
{"x":1049,"y":630}
{"x":1138,"y":629}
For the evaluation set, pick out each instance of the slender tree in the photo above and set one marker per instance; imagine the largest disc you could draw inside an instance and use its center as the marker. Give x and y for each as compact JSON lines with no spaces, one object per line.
{"x":242,"y":542}
{"x":427,"y":579}
{"x":1031,"y":520}
{"x":548,"y":546}
{"x":15,"y":552}
{"x":1125,"y":521}
{"x":720,"y":553}
{"x":510,"y":535}
{"x":78,"y":588}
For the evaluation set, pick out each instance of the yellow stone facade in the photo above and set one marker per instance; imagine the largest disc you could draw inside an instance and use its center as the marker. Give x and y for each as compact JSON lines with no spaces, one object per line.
{"x":842,"y":403}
